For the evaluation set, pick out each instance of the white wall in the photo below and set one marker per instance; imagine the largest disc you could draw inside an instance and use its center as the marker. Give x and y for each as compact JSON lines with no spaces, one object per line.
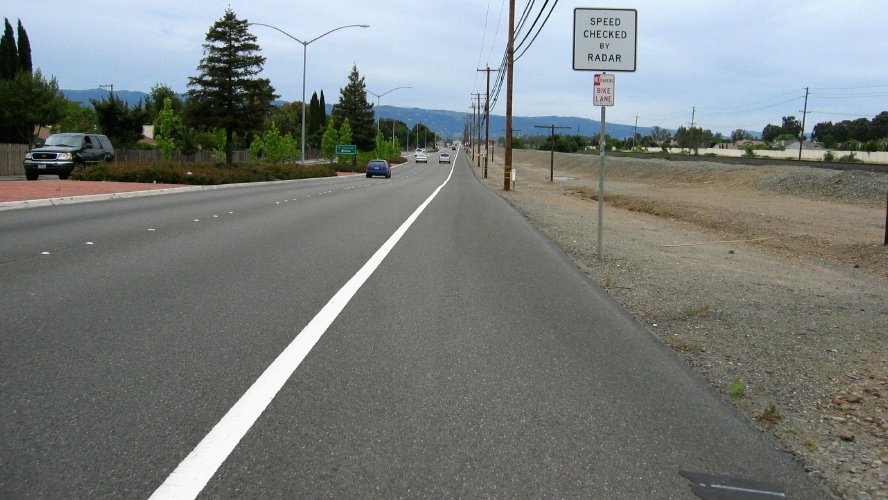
{"x":807,"y":154}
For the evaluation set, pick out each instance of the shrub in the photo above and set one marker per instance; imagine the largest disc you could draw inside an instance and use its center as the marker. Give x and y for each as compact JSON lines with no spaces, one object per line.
{"x":851,"y":158}
{"x":198,"y":173}
{"x":738,"y":389}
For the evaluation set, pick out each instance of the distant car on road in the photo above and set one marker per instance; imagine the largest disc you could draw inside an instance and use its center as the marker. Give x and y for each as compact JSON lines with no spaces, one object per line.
{"x":421,"y":157}
{"x":444,"y":158}
{"x":379,"y":167}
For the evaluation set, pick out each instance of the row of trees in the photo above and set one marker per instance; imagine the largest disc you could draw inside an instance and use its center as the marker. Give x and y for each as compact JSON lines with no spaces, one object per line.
{"x":851,"y":135}
{"x":871,"y":134}
{"x":227,"y":106}
{"x":26,"y":97}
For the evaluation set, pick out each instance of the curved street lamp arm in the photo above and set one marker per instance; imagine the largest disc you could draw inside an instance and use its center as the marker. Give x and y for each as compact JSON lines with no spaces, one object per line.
{"x":282,"y":31}
{"x":394,"y":89}
{"x":335,"y":29}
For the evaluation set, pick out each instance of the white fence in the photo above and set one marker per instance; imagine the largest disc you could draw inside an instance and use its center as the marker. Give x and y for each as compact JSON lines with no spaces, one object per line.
{"x":807,"y":154}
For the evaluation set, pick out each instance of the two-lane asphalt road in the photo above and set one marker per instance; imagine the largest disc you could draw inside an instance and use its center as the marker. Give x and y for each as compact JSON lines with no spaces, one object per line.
{"x":339,"y":338}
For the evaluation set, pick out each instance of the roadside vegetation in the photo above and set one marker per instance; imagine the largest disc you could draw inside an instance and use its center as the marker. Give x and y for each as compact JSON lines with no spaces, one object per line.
{"x":166,"y":172}
{"x":204,"y":119}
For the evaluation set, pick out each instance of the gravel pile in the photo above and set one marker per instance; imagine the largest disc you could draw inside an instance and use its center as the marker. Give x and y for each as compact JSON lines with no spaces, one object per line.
{"x":823,"y":183}
{"x":796,"y":342}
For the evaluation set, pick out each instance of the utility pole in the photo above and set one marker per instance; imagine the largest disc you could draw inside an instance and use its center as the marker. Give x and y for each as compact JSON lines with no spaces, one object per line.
{"x":466,"y":128}
{"x":109,"y":86}
{"x":635,"y":134}
{"x":472,"y":129}
{"x":693,"y":114}
{"x":510,"y":62}
{"x":804,"y":115}
{"x":487,"y":120}
{"x":552,"y":156}
{"x":477,"y":131}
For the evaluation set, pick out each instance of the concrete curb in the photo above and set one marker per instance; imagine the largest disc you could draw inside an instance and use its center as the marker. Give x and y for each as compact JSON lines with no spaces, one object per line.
{"x":68,"y":200}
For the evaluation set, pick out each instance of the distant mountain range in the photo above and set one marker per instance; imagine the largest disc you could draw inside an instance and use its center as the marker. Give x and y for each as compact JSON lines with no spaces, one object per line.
{"x":449,"y":124}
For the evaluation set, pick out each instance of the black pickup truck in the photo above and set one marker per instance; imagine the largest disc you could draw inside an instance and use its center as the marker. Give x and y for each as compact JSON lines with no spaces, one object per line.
{"x":60,"y":154}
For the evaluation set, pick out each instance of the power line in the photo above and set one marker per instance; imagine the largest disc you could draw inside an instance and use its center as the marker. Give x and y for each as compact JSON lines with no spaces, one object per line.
{"x":535,"y":21}
{"x":483,"y":37}
{"x":539,"y":30}
{"x":497,"y":85}
{"x":496,"y":34}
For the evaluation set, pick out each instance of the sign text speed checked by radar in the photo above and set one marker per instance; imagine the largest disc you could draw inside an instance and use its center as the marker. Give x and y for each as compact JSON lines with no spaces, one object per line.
{"x":605,"y":39}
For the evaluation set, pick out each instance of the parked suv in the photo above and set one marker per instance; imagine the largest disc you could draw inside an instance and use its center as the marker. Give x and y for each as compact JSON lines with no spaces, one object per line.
{"x":60,"y":154}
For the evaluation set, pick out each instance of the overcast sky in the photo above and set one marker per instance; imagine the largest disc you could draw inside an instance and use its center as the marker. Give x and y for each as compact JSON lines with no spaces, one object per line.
{"x":740,"y":64}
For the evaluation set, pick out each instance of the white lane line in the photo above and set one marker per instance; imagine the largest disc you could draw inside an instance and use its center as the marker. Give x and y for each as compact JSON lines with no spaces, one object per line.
{"x":193,"y":474}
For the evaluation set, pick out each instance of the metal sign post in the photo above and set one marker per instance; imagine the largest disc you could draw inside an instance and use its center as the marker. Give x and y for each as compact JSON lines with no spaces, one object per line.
{"x":604,"y":40}
{"x":604,"y":97}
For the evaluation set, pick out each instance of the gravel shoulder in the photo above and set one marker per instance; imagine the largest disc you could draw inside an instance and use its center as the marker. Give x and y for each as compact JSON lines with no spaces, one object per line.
{"x":770,"y":281}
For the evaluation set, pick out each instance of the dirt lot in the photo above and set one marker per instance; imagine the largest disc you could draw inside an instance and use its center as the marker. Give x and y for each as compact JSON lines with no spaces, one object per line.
{"x":770,"y":281}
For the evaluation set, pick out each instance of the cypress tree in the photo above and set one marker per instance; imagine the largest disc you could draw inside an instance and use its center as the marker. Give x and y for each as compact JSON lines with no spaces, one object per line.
{"x":323,"y":105}
{"x":9,"y":61}
{"x":24,"y":50}
{"x":312,"y":126}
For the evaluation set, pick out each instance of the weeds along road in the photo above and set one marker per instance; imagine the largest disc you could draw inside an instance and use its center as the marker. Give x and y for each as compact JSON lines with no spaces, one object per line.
{"x":344,"y":337}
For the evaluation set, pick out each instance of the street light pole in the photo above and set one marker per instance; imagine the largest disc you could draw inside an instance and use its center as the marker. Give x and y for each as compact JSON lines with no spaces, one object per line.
{"x":304,"y":58}
{"x":378,"y":96}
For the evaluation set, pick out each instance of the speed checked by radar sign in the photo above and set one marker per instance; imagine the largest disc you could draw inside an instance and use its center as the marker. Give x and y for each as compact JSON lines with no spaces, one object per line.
{"x":604,"y":39}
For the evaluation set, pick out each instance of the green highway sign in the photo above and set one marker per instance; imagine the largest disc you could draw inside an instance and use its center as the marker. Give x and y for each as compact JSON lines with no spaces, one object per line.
{"x":346,"y":150}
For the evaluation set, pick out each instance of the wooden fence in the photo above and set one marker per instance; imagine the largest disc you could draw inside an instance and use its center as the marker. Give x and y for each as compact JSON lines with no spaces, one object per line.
{"x":11,"y":158}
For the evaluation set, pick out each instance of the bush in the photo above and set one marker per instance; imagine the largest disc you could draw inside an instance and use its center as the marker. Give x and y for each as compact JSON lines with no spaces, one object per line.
{"x":851,"y":158}
{"x":199,"y":173}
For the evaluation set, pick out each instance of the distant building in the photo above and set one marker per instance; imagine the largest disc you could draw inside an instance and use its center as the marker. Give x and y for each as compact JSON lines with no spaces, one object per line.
{"x":740,"y":144}
{"x":795,"y":145}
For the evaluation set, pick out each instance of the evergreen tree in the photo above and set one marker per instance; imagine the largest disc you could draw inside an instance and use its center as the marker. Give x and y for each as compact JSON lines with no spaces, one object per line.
{"x":287,"y":118}
{"x":155,"y":102}
{"x":313,"y":126}
{"x":323,"y":106}
{"x":9,"y":61}
{"x":168,"y":130}
{"x":354,"y":106}
{"x":26,"y":101}
{"x":122,"y":124}
{"x":345,"y":133}
{"x":329,"y":141}
{"x":228,"y":94}
{"x":24,"y":50}
{"x":76,"y":118}
{"x":317,"y":121}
